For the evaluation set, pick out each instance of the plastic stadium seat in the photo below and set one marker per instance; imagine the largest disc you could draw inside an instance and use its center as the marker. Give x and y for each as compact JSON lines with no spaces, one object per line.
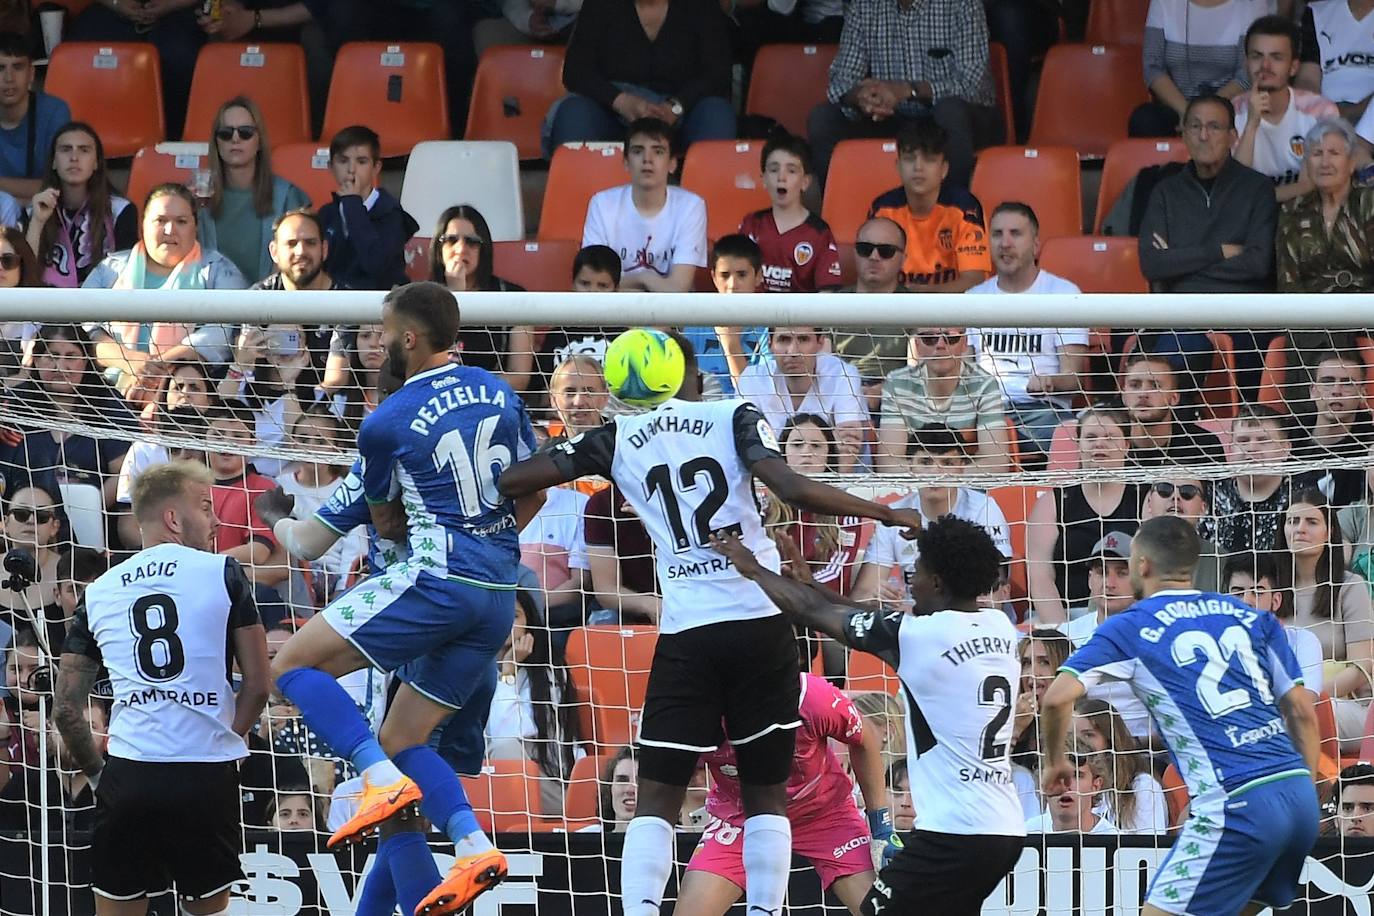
{"x":584,"y":787}
{"x":505,"y":797}
{"x":578,"y":171}
{"x":1175,"y":795}
{"x":514,"y":87}
{"x":612,"y":661}
{"x":1086,"y":96}
{"x":85,"y":510}
{"x":417,"y":258}
{"x":272,"y":75}
{"x":1044,"y":177}
{"x":155,"y":165}
{"x":544,"y":267}
{"x":1001,"y":85}
{"x":1016,"y":504}
{"x":116,"y":88}
{"x":1120,"y":22}
{"x":306,"y":165}
{"x":398,"y":90}
{"x":1273,"y":379}
{"x":868,"y":672}
{"x":788,"y":81}
{"x":1097,"y":263}
{"x":726,"y":174}
{"x":1125,"y":159}
{"x":486,"y":175}
{"x":1064,"y":447}
{"x":860,"y":170}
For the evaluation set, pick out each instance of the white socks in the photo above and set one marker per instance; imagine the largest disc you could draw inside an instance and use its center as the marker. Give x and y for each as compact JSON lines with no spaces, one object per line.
{"x":383,"y":773}
{"x":767,"y":863}
{"x":646,"y":864}
{"x":472,"y":844}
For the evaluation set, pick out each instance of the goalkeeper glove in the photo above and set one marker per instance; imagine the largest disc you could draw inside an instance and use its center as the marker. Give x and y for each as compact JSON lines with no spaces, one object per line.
{"x":891,"y":849}
{"x":880,"y":828}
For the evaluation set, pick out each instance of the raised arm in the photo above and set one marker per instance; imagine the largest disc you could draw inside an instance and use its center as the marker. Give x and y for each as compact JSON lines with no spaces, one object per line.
{"x":804,"y":493}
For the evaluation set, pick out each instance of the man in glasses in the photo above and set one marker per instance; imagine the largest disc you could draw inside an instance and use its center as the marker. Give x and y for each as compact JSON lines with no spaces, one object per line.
{"x":1188,"y":498}
{"x":947,"y":245}
{"x":879,"y":249}
{"x":1355,"y":800}
{"x":1039,"y":369}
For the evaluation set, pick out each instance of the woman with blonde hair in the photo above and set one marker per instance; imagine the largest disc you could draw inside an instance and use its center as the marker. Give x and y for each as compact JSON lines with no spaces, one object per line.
{"x":245,"y":197}
{"x":1133,"y":798}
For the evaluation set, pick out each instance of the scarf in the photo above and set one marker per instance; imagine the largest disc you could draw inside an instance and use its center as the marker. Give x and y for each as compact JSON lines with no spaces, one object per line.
{"x":186,"y":275}
{"x":71,"y":257}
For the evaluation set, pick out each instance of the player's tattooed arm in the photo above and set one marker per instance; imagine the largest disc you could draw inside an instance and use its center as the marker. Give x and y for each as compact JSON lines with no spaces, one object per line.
{"x":804,"y":604}
{"x":75,"y":678}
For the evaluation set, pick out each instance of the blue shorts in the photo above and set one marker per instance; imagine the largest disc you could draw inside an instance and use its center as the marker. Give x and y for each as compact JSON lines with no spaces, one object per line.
{"x":1248,"y":846}
{"x":462,"y":740}
{"x":439,"y":635}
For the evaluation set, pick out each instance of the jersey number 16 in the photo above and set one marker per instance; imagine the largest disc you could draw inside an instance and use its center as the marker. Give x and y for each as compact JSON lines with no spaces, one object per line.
{"x":475,"y":472}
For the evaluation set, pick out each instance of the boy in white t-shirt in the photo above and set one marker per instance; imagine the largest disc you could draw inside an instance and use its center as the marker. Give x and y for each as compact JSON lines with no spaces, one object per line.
{"x":1272,"y":143}
{"x":1039,"y":369}
{"x":658,"y":231}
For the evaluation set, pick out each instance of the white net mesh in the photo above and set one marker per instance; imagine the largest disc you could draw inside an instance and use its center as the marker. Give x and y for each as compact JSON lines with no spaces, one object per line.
{"x":1059,"y":441}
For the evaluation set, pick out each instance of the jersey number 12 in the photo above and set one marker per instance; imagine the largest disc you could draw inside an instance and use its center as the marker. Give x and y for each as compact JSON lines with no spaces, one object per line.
{"x":659,"y":481}
{"x":475,"y":472}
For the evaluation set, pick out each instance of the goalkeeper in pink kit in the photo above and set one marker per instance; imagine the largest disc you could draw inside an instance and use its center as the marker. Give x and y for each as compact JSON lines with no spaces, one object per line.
{"x":827,"y":827}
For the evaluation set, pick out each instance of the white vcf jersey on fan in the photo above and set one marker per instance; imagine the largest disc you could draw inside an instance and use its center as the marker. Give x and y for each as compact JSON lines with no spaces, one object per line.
{"x":685,"y":469}
{"x":961,"y":675}
{"x":162,"y":623}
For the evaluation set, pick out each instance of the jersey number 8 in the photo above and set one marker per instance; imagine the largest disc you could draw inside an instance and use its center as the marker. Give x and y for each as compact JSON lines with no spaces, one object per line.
{"x":157,"y":648}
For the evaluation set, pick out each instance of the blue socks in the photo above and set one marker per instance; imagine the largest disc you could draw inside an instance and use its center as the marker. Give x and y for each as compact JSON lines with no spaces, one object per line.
{"x":444,"y":803}
{"x":379,"y":890}
{"x":413,"y":872}
{"x":330,"y":713}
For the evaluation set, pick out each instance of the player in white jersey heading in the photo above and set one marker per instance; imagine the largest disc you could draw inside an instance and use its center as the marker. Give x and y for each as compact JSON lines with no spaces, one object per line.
{"x":957,"y":663}
{"x":724,"y":652}
{"x":167,"y":801}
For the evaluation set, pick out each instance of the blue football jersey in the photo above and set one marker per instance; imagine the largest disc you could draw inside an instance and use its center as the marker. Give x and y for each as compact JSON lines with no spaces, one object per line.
{"x":346,"y":509}
{"x":1211,"y":670}
{"x":439,"y":444}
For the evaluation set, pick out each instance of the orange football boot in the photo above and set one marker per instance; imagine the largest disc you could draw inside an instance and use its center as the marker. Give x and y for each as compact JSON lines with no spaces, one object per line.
{"x":378,"y":803}
{"x":469,"y":878}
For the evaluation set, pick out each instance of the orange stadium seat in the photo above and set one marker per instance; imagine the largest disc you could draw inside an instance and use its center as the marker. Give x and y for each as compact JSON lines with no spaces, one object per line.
{"x":306,"y":165}
{"x":155,"y":165}
{"x":726,"y":174}
{"x":1046,"y":178}
{"x":584,"y":787}
{"x":1097,"y":263}
{"x":417,"y":258}
{"x":1125,"y":159}
{"x":860,"y":170}
{"x":398,"y":90}
{"x":505,"y":797}
{"x":1086,"y":96}
{"x":1175,"y":795}
{"x":612,"y":663}
{"x":578,"y":171}
{"x":544,"y":267}
{"x":272,"y":75}
{"x":788,"y":81}
{"x":514,"y":87}
{"x":868,"y":672}
{"x":1273,"y":380}
{"x":1001,"y":86}
{"x":116,"y":88}
{"x":1120,"y":22}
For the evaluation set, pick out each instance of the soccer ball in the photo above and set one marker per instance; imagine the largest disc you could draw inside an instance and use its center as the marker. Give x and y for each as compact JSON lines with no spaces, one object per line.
{"x":644,"y":367}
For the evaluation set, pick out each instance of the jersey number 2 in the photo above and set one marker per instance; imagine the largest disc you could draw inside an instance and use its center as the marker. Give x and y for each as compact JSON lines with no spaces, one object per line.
{"x":157,"y":648}
{"x":1233,"y":643}
{"x":660,"y":480}
{"x":996,"y":692}
{"x":474,"y":475}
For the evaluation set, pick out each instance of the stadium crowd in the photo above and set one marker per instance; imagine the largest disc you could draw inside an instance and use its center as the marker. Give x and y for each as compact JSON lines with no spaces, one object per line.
{"x":1272,"y":197}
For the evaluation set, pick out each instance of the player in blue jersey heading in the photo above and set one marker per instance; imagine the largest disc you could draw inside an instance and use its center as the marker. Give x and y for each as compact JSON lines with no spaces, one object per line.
{"x":430,"y":458}
{"x":1226,"y":693}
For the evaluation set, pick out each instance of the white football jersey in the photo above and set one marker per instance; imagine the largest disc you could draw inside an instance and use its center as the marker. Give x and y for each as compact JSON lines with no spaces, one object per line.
{"x":685,"y":469}
{"x":961,"y":676}
{"x":162,"y":623}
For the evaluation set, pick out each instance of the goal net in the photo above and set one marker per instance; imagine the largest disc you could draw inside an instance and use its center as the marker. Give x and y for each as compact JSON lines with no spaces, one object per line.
{"x":1059,"y":440}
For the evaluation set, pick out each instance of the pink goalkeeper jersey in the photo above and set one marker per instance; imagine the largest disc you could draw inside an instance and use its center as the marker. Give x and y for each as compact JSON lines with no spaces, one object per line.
{"x":818,"y":783}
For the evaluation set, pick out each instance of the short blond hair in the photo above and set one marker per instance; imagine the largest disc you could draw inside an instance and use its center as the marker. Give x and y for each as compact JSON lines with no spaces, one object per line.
{"x":158,"y":484}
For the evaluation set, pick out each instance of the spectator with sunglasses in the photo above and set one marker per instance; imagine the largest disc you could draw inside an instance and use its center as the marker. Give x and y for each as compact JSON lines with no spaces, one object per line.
{"x":245,"y":197}
{"x":942,"y":387}
{"x":33,"y":523}
{"x":1188,"y":498}
{"x":461,"y":257}
{"x":1354,"y":801}
{"x":879,"y":249}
